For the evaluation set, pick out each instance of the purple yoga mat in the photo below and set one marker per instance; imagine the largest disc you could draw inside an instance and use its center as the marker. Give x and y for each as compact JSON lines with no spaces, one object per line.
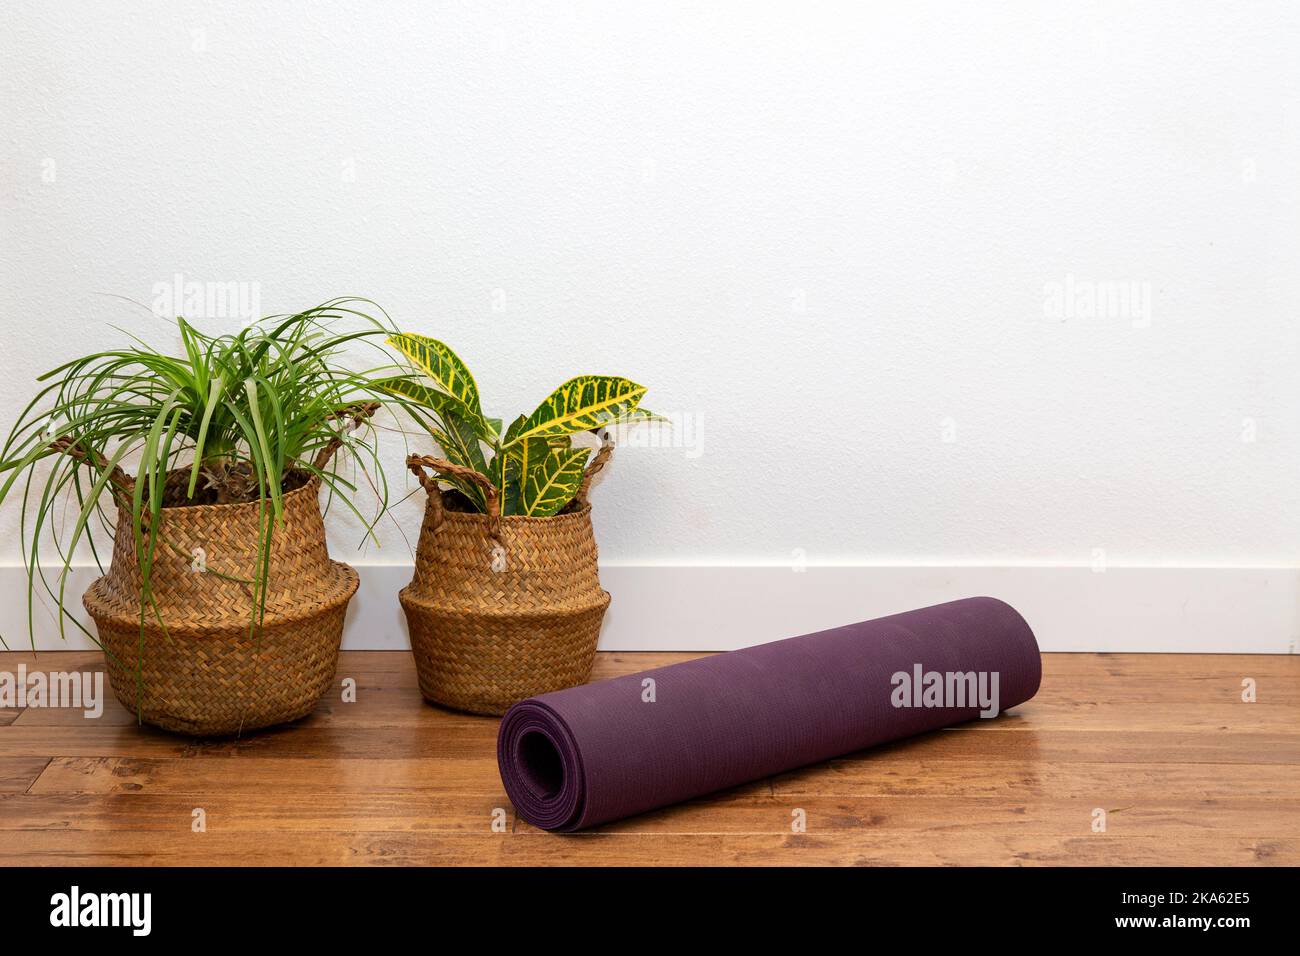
{"x":580,"y":757}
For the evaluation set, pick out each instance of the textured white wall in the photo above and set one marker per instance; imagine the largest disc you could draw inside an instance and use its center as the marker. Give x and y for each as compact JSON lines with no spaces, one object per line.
{"x":824,"y":233}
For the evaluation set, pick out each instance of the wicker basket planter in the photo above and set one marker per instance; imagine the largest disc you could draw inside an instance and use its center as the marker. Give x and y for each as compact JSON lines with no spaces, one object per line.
{"x":210,"y":674}
{"x":501,"y":608}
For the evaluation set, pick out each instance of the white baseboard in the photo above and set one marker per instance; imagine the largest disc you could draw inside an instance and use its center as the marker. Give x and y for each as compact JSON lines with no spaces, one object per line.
{"x":699,"y":608}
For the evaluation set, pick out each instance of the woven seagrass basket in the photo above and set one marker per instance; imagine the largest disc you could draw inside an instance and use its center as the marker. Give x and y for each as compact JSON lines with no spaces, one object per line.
{"x":211,"y":673}
{"x":501,"y":608}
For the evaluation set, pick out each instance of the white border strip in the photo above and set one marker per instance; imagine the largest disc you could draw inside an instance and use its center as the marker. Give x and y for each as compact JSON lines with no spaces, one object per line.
{"x":702,"y":608}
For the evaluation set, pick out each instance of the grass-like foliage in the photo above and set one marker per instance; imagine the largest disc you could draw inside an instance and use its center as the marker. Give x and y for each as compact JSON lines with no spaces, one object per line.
{"x":234,"y":418}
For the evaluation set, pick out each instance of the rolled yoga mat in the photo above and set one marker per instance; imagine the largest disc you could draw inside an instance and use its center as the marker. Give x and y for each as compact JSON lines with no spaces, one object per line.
{"x":580,"y":757}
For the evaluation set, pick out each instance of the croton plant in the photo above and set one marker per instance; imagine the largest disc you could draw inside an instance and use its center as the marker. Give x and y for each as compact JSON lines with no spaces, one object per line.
{"x":535,"y":464}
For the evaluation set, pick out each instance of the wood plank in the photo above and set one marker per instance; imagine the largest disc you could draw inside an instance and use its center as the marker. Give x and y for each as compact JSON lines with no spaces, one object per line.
{"x":19,"y":773}
{"x":750,"y":811}
{"x":368,"y":743}
{"x":535,"y":848}
{"x":1104,"y":783}
{"x":292,"y":776}
{"x":408,"y":810}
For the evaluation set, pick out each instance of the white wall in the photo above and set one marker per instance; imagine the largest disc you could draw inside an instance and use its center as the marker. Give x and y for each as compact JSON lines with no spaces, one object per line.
{"x":825,"y":235}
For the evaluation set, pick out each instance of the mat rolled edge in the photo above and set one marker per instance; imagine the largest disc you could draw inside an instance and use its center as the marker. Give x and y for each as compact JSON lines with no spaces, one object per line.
{"x":541,"y":766}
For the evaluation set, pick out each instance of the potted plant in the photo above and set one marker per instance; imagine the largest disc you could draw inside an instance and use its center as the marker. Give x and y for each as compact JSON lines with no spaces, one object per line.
{"x":221,"y":610}
{"x":506,"y":601}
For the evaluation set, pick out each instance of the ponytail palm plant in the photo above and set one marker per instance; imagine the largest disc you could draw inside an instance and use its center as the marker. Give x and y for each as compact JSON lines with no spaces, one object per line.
{"x":534,"y":463}
{"x":228,"y":419}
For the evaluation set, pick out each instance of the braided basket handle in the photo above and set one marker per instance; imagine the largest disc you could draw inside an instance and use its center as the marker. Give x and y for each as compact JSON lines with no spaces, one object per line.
{"x":121,"y":481}
{"x":357,"y":413}
{"x":597,"y":465}
{"x":418,"y":464}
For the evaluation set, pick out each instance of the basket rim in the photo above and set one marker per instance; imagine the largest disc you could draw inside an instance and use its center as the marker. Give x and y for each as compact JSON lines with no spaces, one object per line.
{"x":478,"y":517}
{"x":312,"y":484}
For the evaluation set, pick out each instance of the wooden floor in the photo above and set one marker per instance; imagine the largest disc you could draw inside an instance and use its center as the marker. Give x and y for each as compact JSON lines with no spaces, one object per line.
{"x":1185,"y":771}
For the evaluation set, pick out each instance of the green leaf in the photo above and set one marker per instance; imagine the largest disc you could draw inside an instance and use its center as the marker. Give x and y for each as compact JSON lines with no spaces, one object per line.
{"x":459,"y":435}
{"x":552,"y":482}
{"x":441,"y":364}
{"x":210,"y":406}
{"x":442,"y":404}
{"x":581,"y":404}
{"x":516,"y":463}
{"x":264,"y":465}
{"x":511,"y":492}
{"x":513,"y":430}
{"x":460,"y":439}
{"x":460,"y":445}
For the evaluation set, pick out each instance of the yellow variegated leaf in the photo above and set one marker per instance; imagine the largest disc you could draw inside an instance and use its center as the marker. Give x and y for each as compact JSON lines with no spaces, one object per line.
{"x":581,"y":404}
{"x":511,"y":468}
{"x":552,"y":482}
{"x":443,"y":404}
{"x":441,"y":364}
{"x":513,"y":430}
